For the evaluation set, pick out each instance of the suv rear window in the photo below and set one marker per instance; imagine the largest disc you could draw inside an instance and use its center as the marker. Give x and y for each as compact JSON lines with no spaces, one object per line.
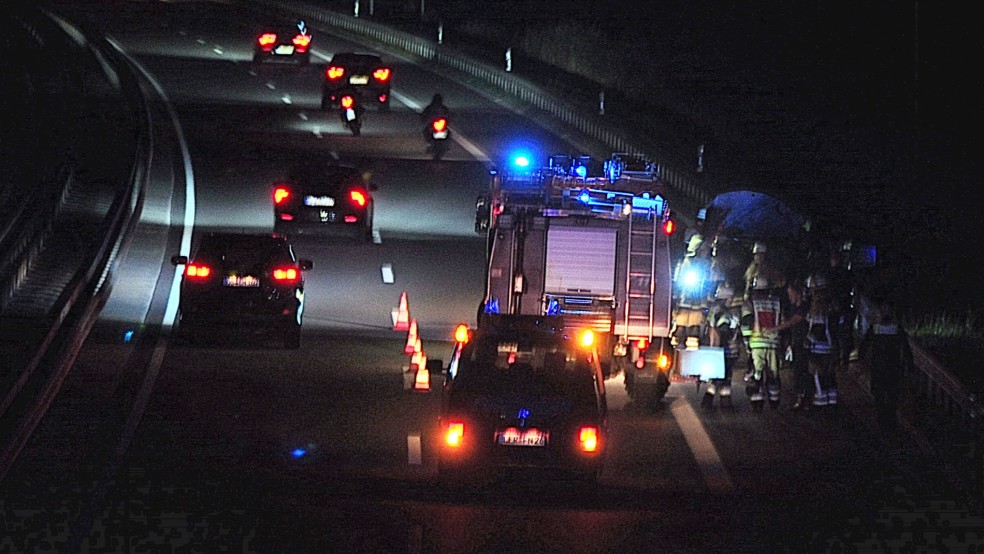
{"x":244,"y":252}
{"x":503,"y":365}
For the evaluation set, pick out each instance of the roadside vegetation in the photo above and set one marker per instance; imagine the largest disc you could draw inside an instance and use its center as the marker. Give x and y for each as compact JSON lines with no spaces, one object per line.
{"x":956,"y":341}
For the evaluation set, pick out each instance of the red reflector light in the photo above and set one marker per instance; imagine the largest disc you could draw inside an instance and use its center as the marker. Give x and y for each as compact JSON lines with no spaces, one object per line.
{"x":588,"y":439}
{"x":640,"y":362}
{"x":351,"y":219}
{"x":358,"y":197}
{"x":285,"y":274}
{"x":334,"y":72}
{"x":669,"y":227}
{"x":439,"y":124}
{"x":197,"y":271}
{"x":286,"y":217}
{"x":455,"y":432}
{"x":347,"y":102}
{"x":381,"y":74}
{"x":382,"y":98}
{"x":280,"y":194}
{"x":267,"y":40}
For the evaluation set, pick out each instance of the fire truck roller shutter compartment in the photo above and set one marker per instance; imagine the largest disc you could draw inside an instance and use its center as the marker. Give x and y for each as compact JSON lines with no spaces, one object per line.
{"x":580,"y":260}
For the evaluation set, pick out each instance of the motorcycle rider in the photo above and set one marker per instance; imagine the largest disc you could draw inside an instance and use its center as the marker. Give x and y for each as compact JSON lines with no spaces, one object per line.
{"x":436,"y":108}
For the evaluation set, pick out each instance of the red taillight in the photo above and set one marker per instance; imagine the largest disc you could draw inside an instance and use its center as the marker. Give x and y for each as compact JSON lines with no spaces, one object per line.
{"x":280,"y":194}
{"x":334,"y":72}
{"x":285,"y":274}
{"x":642,"y":344}
{"x":439,"y":124}
{"x":587,"y":439}
{"x":381,"y":74}
{"x":197,"y":271}
{"x":669,"y":227}
{"x":301,"y":42}
{"x":351,"y":219}
{"x":358,"y":197}
{"x":347,"y":102}
{"x":455,"y":433}
{"x":267,"y":40}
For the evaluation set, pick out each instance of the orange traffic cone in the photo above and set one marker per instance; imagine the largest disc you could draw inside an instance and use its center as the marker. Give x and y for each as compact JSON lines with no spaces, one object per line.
{"x":421,"y":381}
{"x":417,"y":347}
{"x":415,"y":361}
{"x":403,"y":315}
{"x":412,"y":338}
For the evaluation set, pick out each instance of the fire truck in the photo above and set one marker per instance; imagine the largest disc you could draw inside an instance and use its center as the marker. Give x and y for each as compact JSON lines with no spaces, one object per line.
{"x":587,"y":240}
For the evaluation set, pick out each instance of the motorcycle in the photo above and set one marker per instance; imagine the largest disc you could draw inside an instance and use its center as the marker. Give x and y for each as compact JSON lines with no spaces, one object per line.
{"x":437,"y":134}
{"x":351,"y":111}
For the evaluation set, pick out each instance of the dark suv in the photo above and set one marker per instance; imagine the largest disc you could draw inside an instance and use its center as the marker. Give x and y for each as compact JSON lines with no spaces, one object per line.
{"x":365,"y":74}
{"x":522,"y":396}
{"x":242,"y":283}
{"x":329,"y":199}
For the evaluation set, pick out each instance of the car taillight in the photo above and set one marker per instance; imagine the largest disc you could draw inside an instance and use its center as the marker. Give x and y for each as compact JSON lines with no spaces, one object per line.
{"x":334,"y":72}
{"x":347,"y":102}
{"x":454,"y":434}
{"x":358,"y":197}
{"x":285,"y":274}
{"x":381,"y":74}
{"x":280,"y":194}
{"x":267,"y":40}
{"x":197,"y":271}
{"x":587,"y":439}
{"x":301,"y":42}
{"x":439,"y":124}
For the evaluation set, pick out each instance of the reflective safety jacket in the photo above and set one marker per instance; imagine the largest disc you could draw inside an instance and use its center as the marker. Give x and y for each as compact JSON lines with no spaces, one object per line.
{"x":818,"y":340}
{"x":768,"y":313}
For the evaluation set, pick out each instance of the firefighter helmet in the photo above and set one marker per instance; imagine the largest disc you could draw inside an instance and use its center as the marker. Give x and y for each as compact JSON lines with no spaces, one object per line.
{"x":724,"y":292}
{"x":758,"y":248}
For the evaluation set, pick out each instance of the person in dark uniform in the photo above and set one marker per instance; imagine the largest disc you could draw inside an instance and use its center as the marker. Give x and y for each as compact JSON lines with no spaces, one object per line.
{"x":886,"y":354}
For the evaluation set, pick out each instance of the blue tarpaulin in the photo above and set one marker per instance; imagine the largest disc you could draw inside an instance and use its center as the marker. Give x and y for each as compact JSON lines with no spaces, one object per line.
{"x":749,"y":215}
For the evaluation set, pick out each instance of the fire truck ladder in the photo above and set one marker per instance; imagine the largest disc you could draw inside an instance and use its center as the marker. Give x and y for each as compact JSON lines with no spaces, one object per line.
{"x":640,"y":274}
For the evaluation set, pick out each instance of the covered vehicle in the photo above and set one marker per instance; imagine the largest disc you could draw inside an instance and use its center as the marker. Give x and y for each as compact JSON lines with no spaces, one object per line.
{"x":283,"y":43}
{"x":332,"y":199}
{"x":365,"y":74}
{"x":242,"y":284}
{"x":523,"y":397}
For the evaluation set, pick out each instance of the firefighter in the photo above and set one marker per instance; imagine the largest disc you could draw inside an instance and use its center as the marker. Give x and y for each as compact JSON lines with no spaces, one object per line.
{"x":794,"y":327}
{"x":820,"y":341}
{"x":886,"y":353}
{"x":692,"y":280}
{"x":723,"y":330}
{"x":841,"y":283}
{"x":761,"y":266}
{"x":764,"y":344}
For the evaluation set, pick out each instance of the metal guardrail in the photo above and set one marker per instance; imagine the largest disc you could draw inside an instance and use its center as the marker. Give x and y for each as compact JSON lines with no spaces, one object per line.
{"x":37,"y":383}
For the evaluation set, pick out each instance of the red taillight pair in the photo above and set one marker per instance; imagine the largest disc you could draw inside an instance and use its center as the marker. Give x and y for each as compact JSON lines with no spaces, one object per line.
{"x":197,"y":271}
{"x":439,"y":124}
{"x":267,"y":40}
{"x":382,"y":74}
{"x":285,"y":274}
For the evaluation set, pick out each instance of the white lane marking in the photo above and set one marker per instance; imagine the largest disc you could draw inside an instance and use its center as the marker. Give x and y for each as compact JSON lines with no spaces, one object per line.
{"x":271,"y":86}
{"x":456,"y":136}
{"x":303,"y":116}
{"x":188,"y":223}
{"x":715,"y":474}
{"x":200,"y":41}
{"x":377,"y":238}
{"x":217,"y":50}
{"x":414,"y":454}
{"x":387,"y":271}
{"x":286,"y":99}
{"x":324,"y":57}
{"x":317,"y":132}
{"x":333,"y":154}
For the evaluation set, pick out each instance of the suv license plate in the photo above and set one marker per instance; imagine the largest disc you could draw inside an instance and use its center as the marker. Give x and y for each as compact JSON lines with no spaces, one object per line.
{"x":241,"y":281}
{"x":522,"y":437}
{"x":284,"y":50}
{"x":359,"y":80}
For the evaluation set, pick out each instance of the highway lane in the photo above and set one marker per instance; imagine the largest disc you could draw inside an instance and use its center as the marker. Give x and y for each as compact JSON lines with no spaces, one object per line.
{"x":242,"y":445}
